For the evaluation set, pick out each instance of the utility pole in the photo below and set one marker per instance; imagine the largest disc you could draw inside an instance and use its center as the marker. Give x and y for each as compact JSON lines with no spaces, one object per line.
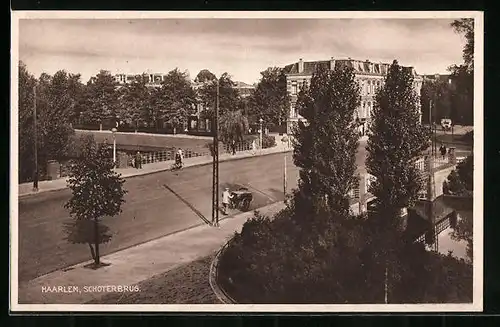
{"x":432,"y":127}
{"x":284,"y":178}
{"x":215,"y":169}
{"x":35,"y":150}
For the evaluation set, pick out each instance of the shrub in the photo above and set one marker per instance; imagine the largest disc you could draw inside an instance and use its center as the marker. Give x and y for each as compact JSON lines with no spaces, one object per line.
{"x":268,"y":141}
{"x":460,"y":181}
{"x":278,"y":261}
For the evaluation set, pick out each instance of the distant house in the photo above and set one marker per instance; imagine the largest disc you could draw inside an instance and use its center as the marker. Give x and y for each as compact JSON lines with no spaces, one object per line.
{"x":153,"y":79}
{"x":369,"y":75}
{"x":244,"y":89}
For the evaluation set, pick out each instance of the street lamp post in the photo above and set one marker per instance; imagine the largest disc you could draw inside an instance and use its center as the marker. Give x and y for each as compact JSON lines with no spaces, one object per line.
{"x":215,"y":170}
{"x":114,"y":130}
{"x":260,"y":137}
{"x":35,"y":137}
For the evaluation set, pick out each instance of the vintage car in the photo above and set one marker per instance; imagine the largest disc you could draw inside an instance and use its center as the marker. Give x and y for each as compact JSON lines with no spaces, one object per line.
{"x":446,"y":123}
{"x":241,"y":199}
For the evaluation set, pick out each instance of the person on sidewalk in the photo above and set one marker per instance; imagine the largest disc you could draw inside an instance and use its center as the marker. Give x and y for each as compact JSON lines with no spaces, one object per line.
{"x":226,"y":197}
{"x":138,"y":160}
{"x":443,"y":151}
{"x":179,"y":159}
{"x":254,"y":147}
{"x":233,"y":147}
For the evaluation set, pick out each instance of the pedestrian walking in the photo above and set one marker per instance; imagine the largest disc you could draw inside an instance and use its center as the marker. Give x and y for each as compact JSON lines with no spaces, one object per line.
{"x":443,"y":151}
{"x":233,"y":147}
{"x":138,"y":160}
{"x":179,"y":158}
{"x":254,"y":147}
{"x":226,"y":197}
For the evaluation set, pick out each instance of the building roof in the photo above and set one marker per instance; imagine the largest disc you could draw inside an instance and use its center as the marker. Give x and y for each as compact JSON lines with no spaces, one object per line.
{"x":309,"y":67}
{"x":243,"y":85}
{"x":359,"y":66}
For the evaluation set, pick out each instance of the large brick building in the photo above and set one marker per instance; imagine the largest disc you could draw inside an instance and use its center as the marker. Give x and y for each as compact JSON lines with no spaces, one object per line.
{"x":369,"y":75}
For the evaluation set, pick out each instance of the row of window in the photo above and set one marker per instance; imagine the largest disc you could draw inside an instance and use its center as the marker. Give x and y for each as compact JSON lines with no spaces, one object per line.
{"x":368,"y":87}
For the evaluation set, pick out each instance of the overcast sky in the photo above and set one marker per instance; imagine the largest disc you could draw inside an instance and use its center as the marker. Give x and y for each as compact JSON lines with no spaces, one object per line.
{"x":241,"y":47}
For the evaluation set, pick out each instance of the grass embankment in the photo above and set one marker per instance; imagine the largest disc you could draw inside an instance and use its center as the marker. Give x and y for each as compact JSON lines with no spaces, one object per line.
{"x":187,"y":284}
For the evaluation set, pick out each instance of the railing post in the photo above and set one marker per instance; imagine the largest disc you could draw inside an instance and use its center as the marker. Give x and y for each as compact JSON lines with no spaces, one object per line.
{"x":362,"y":193}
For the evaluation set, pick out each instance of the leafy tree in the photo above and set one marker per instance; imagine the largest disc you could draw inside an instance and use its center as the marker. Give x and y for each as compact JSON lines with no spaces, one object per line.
{"x":440,"y":93}
{"x":270,"y":100}
{"x":396,"y":140}
{"x":56,"y":97}
{"x":460,"y":180}
{"x":101,"y":99}
{"x":229,"y":98}
{"x":97,"y":191}
{"x":233,"y":125}
{"x":27,"y":83}
{"x":204,"y":76}
{"x":465,"y":26}
{"x":463,"y":75}
{"x":326,"y":147}
{"x":133,"y":104}
{"x":462,"y":101}
{"x":176,"y":98}
{"x":429,"y":277}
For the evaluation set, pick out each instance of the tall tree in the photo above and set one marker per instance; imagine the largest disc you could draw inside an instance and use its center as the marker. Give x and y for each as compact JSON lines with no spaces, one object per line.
{"x":463,"y":75}
{"x":177,"y":98}
{"x":465,"y":27}
{"x":204,"y":76}
{"x":270,"y":100}
{"x":27,"y":83}
{"x":97,"y":191}
{"x":233,"y":126}
{"x":326,"y":147}
{"x":396,"y":140}
{"x":55,"y":101}
{"x":229,"y":98}
{"x":439,"y":92}
{"x":133,"y":104}
{"x":101,"y":99}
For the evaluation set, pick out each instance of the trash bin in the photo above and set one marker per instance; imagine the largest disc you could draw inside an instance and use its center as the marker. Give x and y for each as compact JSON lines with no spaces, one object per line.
{"x":53,"y":170}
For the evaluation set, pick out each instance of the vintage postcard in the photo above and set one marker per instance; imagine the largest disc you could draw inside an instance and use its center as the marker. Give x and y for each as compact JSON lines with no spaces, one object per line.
{"x":246,"y":161}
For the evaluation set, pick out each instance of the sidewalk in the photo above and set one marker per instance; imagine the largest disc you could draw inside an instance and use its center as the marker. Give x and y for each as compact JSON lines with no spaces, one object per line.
{"x":133,"y":265}
{"x":26,"y":189}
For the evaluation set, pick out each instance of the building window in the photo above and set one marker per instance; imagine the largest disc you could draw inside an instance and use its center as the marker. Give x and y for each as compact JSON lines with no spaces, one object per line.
{"x":294,"y":89}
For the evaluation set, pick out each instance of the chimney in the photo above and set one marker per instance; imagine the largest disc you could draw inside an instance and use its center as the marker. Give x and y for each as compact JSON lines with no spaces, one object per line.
{"x":301,"y":66}
{"x":332,"y":63}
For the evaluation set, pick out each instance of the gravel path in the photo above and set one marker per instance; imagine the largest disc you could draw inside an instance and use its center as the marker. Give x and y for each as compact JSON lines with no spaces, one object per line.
{"x":187,"y":284}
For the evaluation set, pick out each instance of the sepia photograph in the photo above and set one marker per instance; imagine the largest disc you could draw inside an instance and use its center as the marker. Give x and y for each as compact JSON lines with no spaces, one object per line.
{"x":246,"y":161}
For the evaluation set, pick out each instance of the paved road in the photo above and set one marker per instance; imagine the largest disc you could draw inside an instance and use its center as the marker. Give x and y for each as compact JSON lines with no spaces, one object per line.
{"x":150,"y":210}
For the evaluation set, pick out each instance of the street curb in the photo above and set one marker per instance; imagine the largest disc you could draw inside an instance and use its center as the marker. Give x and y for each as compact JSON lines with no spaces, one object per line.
{"x":157,"y":171}
{"x":219,"y":292}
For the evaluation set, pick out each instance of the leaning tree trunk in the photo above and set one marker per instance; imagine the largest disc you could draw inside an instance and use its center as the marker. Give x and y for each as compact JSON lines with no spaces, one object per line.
{"x":96,"y":238}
